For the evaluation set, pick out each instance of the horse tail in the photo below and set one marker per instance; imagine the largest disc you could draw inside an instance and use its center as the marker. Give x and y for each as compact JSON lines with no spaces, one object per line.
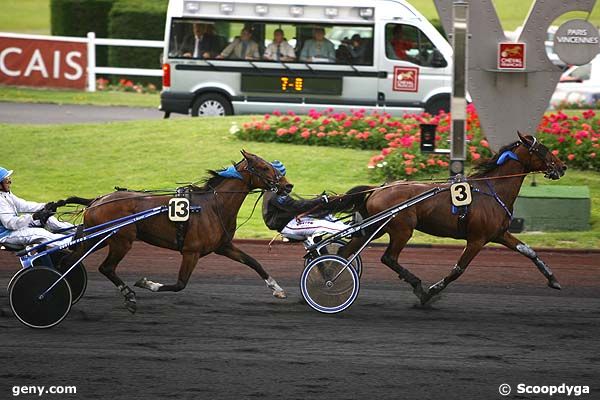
{"x":355,"y":200}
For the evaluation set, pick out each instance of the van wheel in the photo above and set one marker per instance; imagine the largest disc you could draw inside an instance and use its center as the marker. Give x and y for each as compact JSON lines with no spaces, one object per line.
{"x":211,"y":105}
{"x":434,"y":106}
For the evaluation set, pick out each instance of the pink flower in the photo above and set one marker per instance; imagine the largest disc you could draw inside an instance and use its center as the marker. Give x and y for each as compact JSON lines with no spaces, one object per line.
{"x":347,"y":124}
{"x":592,"y":155}
{"x":321,"y":134}
{"x":293,"y":129}
{"x":305,"y":134}
{"x":277,"y":113}
{"x":281,"y":131}
{"x":588,"y":114}
{"x":555,"y":152}
{"x":326,"y":121}
{"x":372,"y":124}
{"x":386,"y":151}
{"x":475,"y":156}
{"x":571,"y":157}
{"x":267,"y":116}
{"x":484,"y":143}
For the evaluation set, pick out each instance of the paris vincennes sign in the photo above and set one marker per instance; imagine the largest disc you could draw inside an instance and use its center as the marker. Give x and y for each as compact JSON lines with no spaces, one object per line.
{"x":43,"y":62}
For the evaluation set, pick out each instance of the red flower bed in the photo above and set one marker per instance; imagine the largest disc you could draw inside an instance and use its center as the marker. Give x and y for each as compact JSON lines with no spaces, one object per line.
{"x":574,"y":139}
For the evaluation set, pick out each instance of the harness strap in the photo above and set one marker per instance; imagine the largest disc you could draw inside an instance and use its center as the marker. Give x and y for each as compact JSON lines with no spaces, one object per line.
{"x":498,"y":199}
{"x":181,"y":228}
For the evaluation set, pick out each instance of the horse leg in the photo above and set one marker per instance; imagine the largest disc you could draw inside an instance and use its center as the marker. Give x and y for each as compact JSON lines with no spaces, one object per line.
{"x":188,"y":263}
{"x":230,"y":251}
{"x":398,"y":239}
{"x":515,"y":244}
{"x":470,"y":251}
{"x":116,"y":252}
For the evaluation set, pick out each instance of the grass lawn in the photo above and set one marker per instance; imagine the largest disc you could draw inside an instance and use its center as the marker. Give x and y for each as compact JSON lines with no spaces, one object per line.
{"x":25,"y":16}
{"x":33,"y":16}
{"x":56,"y":96}
{"x":53,"y":162}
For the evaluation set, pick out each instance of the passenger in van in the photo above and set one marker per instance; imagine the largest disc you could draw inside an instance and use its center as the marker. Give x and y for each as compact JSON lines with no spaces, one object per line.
{"x":358,"y":49}
{"x":242,"y":48}
{"x":398,"y":46}
{"x":279,"y":49}
{"x":202,"y":44}
{"x":318,"y":49}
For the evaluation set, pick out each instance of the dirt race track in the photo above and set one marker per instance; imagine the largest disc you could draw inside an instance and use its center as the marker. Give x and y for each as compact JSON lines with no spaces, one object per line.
{"x":225,"y":336}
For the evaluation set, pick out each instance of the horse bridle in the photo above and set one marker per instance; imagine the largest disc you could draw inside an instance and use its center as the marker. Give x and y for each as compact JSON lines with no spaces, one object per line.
{"x":541,"y":152}
{"x":273,"y":184}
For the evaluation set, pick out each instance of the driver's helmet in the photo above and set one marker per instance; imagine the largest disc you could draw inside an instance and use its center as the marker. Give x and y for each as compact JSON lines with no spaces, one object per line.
{"x":278,"y":165}
{"x":5,"y":173}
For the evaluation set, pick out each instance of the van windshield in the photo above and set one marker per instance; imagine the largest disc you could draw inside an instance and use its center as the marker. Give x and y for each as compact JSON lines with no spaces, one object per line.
{"x":271,"y":41}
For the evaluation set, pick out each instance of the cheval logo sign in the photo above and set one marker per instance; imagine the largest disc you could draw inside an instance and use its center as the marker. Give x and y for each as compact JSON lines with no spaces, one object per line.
{"x":511,"y":55}
{"x":406,"y":79}
{"x":45,"y":63}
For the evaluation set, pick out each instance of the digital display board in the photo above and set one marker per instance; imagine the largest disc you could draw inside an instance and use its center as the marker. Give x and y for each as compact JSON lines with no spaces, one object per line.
{"x":291,"y":84}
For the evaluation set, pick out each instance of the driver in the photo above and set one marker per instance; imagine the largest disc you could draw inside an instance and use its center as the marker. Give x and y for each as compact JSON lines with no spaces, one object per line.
{"x":34,"y":226}
{"x":281,"y":211}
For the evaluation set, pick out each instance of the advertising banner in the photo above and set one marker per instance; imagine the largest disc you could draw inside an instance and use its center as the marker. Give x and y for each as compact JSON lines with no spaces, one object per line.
{"x":43,"y":63}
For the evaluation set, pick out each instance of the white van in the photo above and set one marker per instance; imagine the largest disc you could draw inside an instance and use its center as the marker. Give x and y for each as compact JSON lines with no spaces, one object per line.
{"x":244,"y":56}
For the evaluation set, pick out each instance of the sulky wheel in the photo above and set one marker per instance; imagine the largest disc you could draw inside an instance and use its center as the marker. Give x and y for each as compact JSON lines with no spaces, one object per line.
{"x":30,"y":307}
{"x":19,"y":272}
{"x":328,"y":285}
{"x":333,"y":248}
{"x":77,"y":279}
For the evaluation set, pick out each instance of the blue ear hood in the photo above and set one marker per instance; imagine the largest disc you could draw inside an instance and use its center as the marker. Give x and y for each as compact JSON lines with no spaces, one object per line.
{"x":505,"y":156}
{"x":230,"y":172}
{"x":278,"y":165}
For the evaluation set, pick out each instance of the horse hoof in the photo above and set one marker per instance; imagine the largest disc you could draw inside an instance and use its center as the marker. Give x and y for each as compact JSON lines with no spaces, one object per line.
{"x":554,"y":284}
{"x":280,"y":294}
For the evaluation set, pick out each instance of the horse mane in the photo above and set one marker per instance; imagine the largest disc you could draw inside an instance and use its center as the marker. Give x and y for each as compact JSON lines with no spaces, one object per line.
{"x":208,"y":183}
{"x":487,"y":165}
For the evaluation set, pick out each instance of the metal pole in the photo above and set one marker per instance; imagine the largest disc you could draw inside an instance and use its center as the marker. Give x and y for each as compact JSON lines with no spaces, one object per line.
{"x":458,"y":107}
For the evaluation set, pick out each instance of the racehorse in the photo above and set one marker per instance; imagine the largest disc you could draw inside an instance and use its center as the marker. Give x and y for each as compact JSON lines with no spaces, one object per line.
{"x":210,"y":230}
{"x":495,"y":185}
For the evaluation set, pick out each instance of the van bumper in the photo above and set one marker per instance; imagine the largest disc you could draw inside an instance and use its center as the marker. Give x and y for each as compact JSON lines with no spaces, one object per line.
{"x":177,"y":102}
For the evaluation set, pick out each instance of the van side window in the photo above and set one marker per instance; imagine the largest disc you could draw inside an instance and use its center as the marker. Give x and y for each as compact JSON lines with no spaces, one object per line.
{"x":271,"y":41}
{"x":408,"y":43}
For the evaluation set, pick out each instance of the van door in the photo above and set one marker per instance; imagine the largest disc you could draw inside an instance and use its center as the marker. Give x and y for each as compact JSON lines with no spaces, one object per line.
{"x":415,"y":70}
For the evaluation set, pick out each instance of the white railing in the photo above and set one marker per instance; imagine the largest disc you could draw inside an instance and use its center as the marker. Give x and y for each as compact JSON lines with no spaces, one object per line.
{"x":93,"y":41}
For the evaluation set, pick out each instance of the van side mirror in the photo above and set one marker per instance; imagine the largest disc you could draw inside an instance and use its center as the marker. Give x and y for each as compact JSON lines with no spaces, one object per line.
{"x":438,"y":60}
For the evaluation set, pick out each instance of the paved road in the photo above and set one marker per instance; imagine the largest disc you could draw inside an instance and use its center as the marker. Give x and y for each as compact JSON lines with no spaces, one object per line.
{"x":29,"y":113}
{"x":225,"y":337}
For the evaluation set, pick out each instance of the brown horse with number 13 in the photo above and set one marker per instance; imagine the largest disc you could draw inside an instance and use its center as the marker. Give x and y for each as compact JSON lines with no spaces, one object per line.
{"x":495,"y":187}
{"x":210,"y":230}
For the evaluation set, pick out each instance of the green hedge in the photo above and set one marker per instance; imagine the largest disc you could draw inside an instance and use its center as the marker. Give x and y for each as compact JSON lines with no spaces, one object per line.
{"x":137,"y":19}
{"x":78,"y":17}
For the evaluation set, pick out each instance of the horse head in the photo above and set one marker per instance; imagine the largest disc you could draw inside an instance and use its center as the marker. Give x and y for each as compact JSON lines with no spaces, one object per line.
{"x":540,"y":158}
{"x":262,"y":174}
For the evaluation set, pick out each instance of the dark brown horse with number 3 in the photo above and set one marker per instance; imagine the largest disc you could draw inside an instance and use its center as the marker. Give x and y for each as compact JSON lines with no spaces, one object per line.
{"x":495,"y":187}
{"x":210,"y":230}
